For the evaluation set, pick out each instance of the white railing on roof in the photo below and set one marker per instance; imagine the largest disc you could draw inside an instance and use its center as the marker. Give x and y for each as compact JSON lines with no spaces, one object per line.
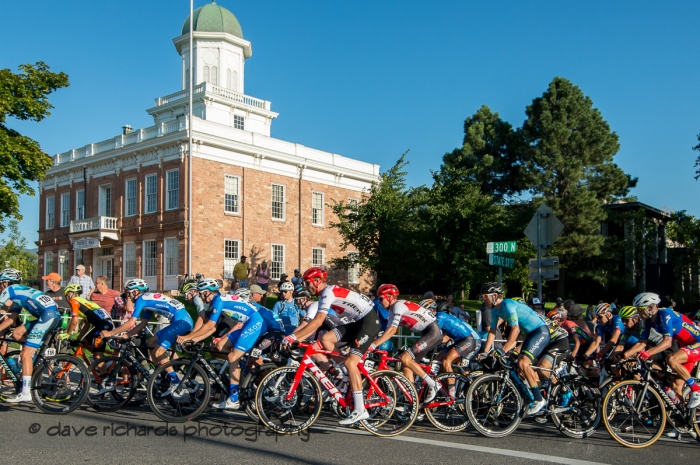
{"x":218,"y":91}
{"x":92,"y":224}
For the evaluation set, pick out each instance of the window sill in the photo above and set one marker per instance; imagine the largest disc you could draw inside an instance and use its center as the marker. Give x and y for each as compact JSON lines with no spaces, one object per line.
{"x":231,"y":214}
{"x":318,"y":225}
{"x":279,"y":220}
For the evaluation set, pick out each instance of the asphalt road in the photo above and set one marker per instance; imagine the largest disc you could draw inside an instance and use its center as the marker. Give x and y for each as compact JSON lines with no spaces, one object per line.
{"x":137,"y":435}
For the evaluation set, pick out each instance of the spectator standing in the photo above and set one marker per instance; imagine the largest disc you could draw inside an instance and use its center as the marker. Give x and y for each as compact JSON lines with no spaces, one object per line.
{"x":55,"y":291}
{"x":84,"y":280}
{"x":262,"y":279}
{"x":241,"y":272}
{"x":286,"y":309}
{"x":103,"y":295}
{"x":296,"y":279}
{"x":234,"y":285}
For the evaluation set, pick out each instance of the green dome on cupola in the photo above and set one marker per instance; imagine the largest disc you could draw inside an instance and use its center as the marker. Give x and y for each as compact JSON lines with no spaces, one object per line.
{"x":213,"y":18}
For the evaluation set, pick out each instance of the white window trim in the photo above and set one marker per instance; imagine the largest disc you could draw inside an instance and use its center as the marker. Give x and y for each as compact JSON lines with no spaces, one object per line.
{"x":323,"y":203}
{"x":323,"y":256}
{"x":166,"y":249}
{"x":284,"y":201}
{"x":167,"y":190}
{"x":100,"y":189}
{"x":77,"y":205}
{"x":238,"y":204}
{"x":126,"y":197}
{"x":63,"y":205}
{"x":143,"y":259}
{"x":145,"y":194}
{"x":272,"y":255}
{"x":136,"y":272}
{"x":50,"y":224}
{"x":235,"y":260}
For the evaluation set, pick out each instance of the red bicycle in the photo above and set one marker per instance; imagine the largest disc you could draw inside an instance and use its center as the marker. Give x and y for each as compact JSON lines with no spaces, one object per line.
{"x":290,"y":399}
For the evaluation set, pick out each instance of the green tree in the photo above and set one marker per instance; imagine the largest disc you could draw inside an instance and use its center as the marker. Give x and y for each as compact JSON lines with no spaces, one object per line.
{"x":697,"y":161}
{"x":23,"y":96}
{"x":684,"y":231}
{"x":568,"y":162}
{"x":13,"y":253}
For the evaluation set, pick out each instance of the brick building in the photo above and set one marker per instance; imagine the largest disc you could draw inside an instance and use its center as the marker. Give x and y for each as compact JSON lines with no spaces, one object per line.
{"x":122,"y":208}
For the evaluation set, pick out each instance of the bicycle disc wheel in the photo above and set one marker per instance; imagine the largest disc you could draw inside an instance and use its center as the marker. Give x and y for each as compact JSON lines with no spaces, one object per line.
{"x":391,"y":420}
{"x":632,"y":420}
{"x":494,"y":406}
{"x":11,"y":384}
{"x":60,"y":384}
{"x":577,"y":407}
{"x":182,"y":401}
{"x":451,"y":416}
{"x":113,"y":382}
{"x":288,"y":416}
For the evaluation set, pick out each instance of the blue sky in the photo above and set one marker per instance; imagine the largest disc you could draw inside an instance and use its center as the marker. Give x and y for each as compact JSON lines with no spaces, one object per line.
{"x":370,"y":80}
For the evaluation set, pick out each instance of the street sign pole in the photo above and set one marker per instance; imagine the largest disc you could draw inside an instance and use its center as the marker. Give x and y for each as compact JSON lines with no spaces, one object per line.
{"x":539,"y":256}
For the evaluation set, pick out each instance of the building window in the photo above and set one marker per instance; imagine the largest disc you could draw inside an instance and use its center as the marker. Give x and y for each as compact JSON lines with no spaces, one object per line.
{"x":130,"y":197}
{"x":277,"y":262}
{"x":80,"y":205}
{"x":48,"y":262}
{"x":206,"y":74}
{"x":352,"y":203}
{"x":278,"y":201}
{"x":231,"y":256}
{"x":353,"y":271}
{"x":171,"y":257}
{"x":231,"y":194}
{"x":150,"y":254}
{"x":151,"y":199}
{"x":49,"y":212}
{"x":78,"y":258}
{"x":65,"y":210}
{"x":317,"y":208}
{"x":317,"y":257}
{"x":105,"y":200}
{"x":172,"y":179}
{"x":214,"y":77}
{"x":63,"y":266}
{"x":238,"y":122}
{"x":129,"y":260}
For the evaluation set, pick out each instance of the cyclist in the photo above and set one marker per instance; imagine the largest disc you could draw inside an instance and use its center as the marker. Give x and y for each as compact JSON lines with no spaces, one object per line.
{"x":359,"y":327}
{"x":520,"y":318}
{"x":466,"y":342}
{"x":274,"y":331}
{"x":417,"y":319}
{"x":287,"y":310}
{"x":143,"y":304}
{"x":92,"y":314}
{"x":383,"y":314}
{"x":558,"y":344}
{"x":15,"y":298}
{"x":577,"y":330}
{"x":673,"y":327}
{"x":609,"y":327}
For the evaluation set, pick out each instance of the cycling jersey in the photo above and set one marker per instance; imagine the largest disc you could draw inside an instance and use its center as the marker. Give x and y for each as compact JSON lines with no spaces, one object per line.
{"x":233,"y":306}
{"x":348,"y":305}
{"x":574,"y":330}
{"x":168,"y":307}
{"x":516,"y":314}
{"x":89,"y":311}
{"x":410,"y":315}
{"x":454,"y":327}
{"x":27,"y":298}
{"x":670,"y":323}
{"x":607,"y":329}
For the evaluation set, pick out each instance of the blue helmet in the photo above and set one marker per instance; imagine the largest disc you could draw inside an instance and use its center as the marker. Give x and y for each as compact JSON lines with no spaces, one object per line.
{"x":10,"y":274}
{"x":208,"y":284}
{"x":136,"y":285}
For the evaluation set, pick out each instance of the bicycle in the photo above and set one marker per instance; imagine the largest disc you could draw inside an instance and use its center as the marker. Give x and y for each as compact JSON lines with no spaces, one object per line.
{"x":290,"y":399}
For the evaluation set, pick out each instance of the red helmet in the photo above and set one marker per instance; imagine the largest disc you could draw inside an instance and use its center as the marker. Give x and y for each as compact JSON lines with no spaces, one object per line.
{"x":315,"y":272}
{"x":387,"y":290}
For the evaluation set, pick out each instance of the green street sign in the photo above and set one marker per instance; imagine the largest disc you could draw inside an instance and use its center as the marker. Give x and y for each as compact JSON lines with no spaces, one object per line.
{"x":505,"y":262}
{"x":504,"y":247}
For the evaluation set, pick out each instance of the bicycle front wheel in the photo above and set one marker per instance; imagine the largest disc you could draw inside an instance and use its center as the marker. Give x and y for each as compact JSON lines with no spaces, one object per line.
{"x":60,"y":384}
{"x":250,"y":385}
{"x":634,"y":416}
{"x":113,"y":382}
{"x":11,"y":378}
{"x":576,"y":411}
{"x":393,"y":406}
{"x":182,"y":400}
{"x":494,"y":406}
{"x":448,"y":413}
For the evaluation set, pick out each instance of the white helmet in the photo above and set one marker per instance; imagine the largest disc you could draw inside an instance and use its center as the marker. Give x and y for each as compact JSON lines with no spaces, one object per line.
{"x":286,"y":286}
{"x":136,"y":285}
{"x":645,"y":299}
{"x":208,"y":284}
{"x":244,"y":293}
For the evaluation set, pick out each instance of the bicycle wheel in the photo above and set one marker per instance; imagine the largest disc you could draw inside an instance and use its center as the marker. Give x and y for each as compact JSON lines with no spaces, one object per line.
{"x":11,"y":383}
{"x":60,"y":384}
{"x":451,"y":416}
{"x":634,"y":420}
{"x":182,"y":401}
{"x":249,"y":386}
{"x":577,"y":408}
{"x":113,"y":382}
{"x":399,"y":414}
{"x":140,"y":395}
{"x":288,"y":416}
{"x":494,"y":406}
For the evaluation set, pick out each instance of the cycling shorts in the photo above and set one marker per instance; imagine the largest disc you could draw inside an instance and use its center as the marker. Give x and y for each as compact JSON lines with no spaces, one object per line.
{"x":268,"y":339}
{"x":556,"y":349}
{"x":359,"y":334}
{"x":168,"y":335}
{"x":106,"y":325}
{"x":428,"y":341}
{"x":244,"y":339}
{"x":535,"y":342}
{"x":466,"y":348}
{"x":693,"y":353}
{"x":38,"y":329}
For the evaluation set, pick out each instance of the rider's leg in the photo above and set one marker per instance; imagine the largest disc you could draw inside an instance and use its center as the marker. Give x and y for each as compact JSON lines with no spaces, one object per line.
{"x":682,"y":361}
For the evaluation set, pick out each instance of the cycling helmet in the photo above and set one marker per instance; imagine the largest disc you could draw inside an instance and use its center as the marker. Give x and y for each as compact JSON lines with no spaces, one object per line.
{"x":286,"y":286}
{"x":11,"y":274}
{"x":429,"y":304}
{"x":315,"y":272}
{"x":244,"y":293}
{"x":189,"y":287}
{"x":628,"y":312}
{"x":518,"y":299}
{"x":208,"y":284}
{"x":75,"y":288}
{"x":136,"y":285}
{"x":492,"y":288}
{"x":387,"y":290}
{"x":443,"y":307}
{"x":554,"y":315}
{"x":645,"y":299}
{"x":301,"y":292}
{"x":601,"y":308}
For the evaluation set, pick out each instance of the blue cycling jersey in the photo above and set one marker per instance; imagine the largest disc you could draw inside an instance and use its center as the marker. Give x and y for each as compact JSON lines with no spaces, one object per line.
{"x":670,"y":323}
{"x":383,"y":314}
{"x":233,"y":306}
{"x":150,"y":303}
{"x":454,"y":327}
{"x":27,"y":298}
{"x":268,"y":317}
{"x":516,"y":314}
{"x":608,"y":329}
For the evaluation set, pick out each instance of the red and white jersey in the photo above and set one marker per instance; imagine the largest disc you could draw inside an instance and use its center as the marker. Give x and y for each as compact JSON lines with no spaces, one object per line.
{"x":348,"y":305}
{"x":410,"y":315}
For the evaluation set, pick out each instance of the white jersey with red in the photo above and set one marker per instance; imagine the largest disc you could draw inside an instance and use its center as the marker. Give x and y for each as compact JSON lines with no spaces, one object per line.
{"x":349,"y":306}
{"x":410,"y":315}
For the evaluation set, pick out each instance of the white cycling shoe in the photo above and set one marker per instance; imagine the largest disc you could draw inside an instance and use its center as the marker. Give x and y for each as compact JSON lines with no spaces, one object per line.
{"x":227,"y":404}
{"x":694,"y":400}
{"x":675,"y":434}
{"x":354,"y":417}
{"x":431,"y":393}
{"x":20,"y":398}
{"x":536,"y":406}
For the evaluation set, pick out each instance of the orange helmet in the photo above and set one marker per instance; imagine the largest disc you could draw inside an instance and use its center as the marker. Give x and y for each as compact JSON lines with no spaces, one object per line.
{"x":315,"y":272}
{"x":554,"y":315}
{"x":387,"y":290}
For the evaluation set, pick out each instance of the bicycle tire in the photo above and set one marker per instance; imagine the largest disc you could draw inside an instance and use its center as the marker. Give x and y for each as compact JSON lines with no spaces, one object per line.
{"x":249,"y":386}
{"x":481,"y":409}
{"x":449,"y":418}
{"x":276,"y":412}
{"x":60,"y":392}
{"x":584,"y":415}
{"x":403,"y":412}
{"x":11,"y":390}
{"x":122,"y":390}
{"x":617,"y":402}
{"x":178,"y":407}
